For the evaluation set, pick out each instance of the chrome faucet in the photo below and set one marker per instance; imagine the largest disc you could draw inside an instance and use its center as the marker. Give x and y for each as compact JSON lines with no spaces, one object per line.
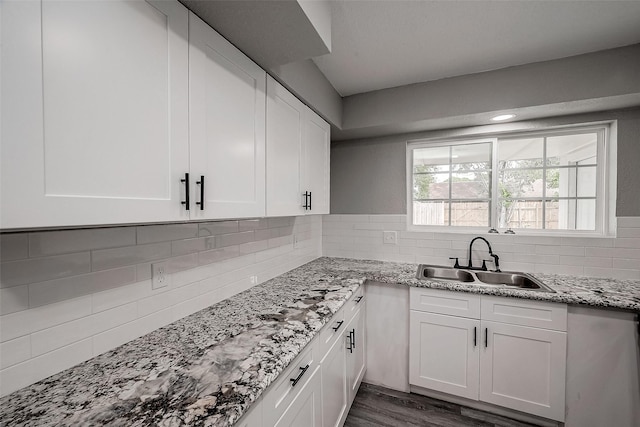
{"x":496,"y":259}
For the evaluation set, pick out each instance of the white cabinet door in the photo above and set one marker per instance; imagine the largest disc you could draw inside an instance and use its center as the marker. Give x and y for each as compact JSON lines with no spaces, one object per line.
{"x":306,"y":409}
{"x":253,"y":418}
{"x":523,"y":368}
{"x":285,"y":115}
{"x":334,"y":385}
{"x":94,"y":112}
{"x":316,"y":134}
{"x":444,"y":353}
{"x":356,"y":353}
{"x":227,"y":127}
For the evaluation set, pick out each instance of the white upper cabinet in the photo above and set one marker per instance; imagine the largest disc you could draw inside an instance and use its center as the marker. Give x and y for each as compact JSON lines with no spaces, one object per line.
{"x":297,"y":156}
{"x":227,"y":127}
{"x":94,"y":112}
{"x":315,"y":171}
{"x":284,"y":151}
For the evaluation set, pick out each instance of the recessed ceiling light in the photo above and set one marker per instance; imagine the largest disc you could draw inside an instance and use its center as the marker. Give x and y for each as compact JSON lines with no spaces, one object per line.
{"x":502,"y":117}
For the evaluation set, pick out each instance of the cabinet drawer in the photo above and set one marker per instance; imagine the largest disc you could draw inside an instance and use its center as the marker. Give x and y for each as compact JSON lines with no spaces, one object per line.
{"x":538,"y":314}
{"x":331,"y":332}
{"x":281,"y":393}
{"x":445,"y":302}
{"x":354,"y":303}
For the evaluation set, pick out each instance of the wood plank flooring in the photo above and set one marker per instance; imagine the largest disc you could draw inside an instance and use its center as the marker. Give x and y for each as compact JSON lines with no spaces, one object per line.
{"x":379,"y":406}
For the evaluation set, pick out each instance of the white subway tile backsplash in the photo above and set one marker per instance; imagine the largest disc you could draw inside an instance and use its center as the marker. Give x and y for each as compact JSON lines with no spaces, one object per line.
{"x":14,"y":246}
{"x":13,"y":273}
{"x":628,"y":222}
{"x":56,"y":303}
{"x":105,"y":300}
{"x":189,"y":246}
{"x":115,"y":337}
{"x":357,"y":236}
{"x":63,"y":358}
{"x":253,"y":224}
{"x":15,"y":377}
{"x":111,"y":258}
{"x":51,"y":291}
{"x":59,"y":336}
{"x":14,"y":299}
{"x":163,"y":233}
{"x":68,"y":241}
{"x":15,"y":351}
{"x":627,"y":243}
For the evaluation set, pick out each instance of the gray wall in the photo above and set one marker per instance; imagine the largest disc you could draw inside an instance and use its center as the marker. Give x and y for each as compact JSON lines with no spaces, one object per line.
{"x":598,"y":81}
{"x":368,"y":175}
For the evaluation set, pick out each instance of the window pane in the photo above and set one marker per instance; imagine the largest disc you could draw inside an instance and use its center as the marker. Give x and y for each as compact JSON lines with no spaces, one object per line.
{"x":470,"y":185}
{"x":520,"y":153}
{"x":433,"y":159}
{"x":431,"y":213}
{"x":470,"y":214}
{"x":519,"y":213}
{"x":431,"y":186}
{"x":515,"y":183}
{"x":571,"y":149}
{"x":586,"y":214}
{"x":571,"y":214}
{"x":471,"y":157}
{"x":586,"y":182}
{"x":557,"y":183}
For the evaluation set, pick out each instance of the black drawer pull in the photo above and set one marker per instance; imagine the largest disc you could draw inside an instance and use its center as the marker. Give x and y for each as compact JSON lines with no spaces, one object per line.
{"x":186,"y":191}
{"x":201,"y":184}
{"x":335,"y":328}
{"x":294,"y":381}
{"x":359,"y":299}
{"x":350,"y":348}
{"x":353,"y":342}
{"x":486,"y":337}
{"x":475,"y":336}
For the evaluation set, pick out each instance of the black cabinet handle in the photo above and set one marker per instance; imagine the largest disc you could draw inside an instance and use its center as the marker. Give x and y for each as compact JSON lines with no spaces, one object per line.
{"x":353,"y":343}
{"x":185,"y":202}
{"x":201,"y":184}
{"x":335,"y":328}
{"x":475,"y":336}
{"x":295,"y":380}
{"x":306,"y":205}
{"x":350,"y":348}
{"x":309,"y":200}
{"x":359,"y":299}
{"x":486,"y":337}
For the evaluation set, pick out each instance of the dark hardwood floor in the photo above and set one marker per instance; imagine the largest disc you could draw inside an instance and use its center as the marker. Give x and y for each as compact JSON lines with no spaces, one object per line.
{"x":379,"y":406}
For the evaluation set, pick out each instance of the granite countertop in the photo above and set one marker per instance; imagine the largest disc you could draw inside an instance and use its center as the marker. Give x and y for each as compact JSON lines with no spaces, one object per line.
{"x":208,"y":368}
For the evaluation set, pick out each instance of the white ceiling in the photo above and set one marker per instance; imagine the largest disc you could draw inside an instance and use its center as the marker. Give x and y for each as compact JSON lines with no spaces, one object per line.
{"x":382,"y":44}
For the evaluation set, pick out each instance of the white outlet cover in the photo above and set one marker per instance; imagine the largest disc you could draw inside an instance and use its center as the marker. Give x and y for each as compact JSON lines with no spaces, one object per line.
{"x":159,"y":276}
{"x":390,"y":237}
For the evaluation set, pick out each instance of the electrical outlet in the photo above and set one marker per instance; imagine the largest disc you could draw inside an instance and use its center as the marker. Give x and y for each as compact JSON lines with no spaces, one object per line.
{"x":159,"y":276}
{"x":390,"y":237}
{"x":254,"y":280}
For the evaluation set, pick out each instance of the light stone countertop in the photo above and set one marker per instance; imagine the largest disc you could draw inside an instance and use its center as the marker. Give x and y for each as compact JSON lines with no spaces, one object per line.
{"x":208,"y":368}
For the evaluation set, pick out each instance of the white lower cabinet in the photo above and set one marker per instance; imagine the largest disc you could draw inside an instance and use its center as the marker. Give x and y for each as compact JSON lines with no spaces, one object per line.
{"x":319,"y":386}
{"x":356,"y":353}
{"x":497,"y":357}
{"x":306,"y":408}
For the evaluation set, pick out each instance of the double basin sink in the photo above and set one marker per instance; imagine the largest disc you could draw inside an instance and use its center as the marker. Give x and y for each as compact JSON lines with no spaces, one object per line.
{"x":505,"y":279}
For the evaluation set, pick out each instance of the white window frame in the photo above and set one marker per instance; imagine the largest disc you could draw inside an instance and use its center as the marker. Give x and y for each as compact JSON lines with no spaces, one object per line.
{"x":605,"y":170}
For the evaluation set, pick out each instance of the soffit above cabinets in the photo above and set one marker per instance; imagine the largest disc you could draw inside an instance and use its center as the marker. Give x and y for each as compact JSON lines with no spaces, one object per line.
{"x":383,"y":44}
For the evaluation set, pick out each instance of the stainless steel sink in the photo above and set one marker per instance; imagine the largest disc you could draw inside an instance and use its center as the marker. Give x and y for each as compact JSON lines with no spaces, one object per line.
{"x":518,"y":280}
{"x":444,"y":273}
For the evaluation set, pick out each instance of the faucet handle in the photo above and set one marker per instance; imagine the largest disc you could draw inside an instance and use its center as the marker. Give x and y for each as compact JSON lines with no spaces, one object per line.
{"x":457,"y":264}
{"x":484,"y":264}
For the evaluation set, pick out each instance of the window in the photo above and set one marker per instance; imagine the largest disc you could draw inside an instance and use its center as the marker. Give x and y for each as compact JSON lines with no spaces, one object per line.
{"x":550,"y":182}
